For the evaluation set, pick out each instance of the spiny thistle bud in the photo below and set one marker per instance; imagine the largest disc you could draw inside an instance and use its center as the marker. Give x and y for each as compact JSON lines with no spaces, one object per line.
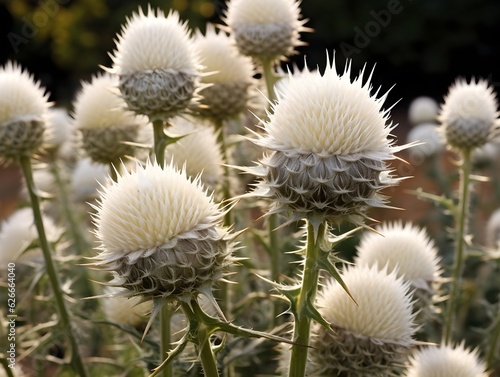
{"x":160,"y":234}
{"x":156,"y":64}
{"x":199,"y":151}
{"x":129,"y":311}
{"x":18,"y":234}
{"x":329,"y":143}
{"x":409,"y":252}
{"x":371,"y":337}
{"x":263,"y":29}
{"x":104,"y":121}
{"x":423,"y":110}
{"x":469,"y":114}
{"x":23,"y":109}
{"x":229,"y":75}
{"x":428,"y":142}
{"x":446,"y":361}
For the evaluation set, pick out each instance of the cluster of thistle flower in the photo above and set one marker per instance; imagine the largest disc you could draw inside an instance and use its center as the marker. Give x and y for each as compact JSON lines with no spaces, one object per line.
{"x":327,"y":144}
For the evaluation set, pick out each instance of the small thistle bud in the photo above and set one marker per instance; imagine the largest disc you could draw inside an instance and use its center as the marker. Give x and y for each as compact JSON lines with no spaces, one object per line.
{"x":156,"y":64}
{"x":199,"y":151}
{"x":160,"y":235}
{"x":428,"y":142}
{"x":469,"y":114}
{"x":446,"y":361}
{"x":18,"y":234}
{"x":105,"y":123}
{"x":423,"y":110}
{"x":371,"y":337}
{"x":229,"y":76}
{"x":129,"y":311}
{"x":411,"y":254}
{"x":266,"y":30}
{"x":330,"y":143}
{"x":23,"y":109}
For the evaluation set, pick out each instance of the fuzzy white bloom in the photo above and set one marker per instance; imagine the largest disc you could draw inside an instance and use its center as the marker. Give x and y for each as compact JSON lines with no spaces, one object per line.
{"x":228,"y":74}
{"x":86,"y":178}
{"x":199,"y":151}
{"x":129,"y":311}
{"x":446,"y":361}
{"x":469,"y":114}
{"x":44,"y":181}
{"x":23,"y":111}
{"x":411,"y":254}
{"x":60,"y":125}
{"x":160,"y":235}
{"x":428,"y":141}
{"x":265,"y":29}
{"x":156,"y":63}
{"x":152,"y":41}
{"x":329,"y":139}
{"x":405,"y":249}
{"x":104,"y":121}
{"x":18,"y":232}
{"x":423,"y":110}
{"x":370,"y":338}
{"x":98,"y":105}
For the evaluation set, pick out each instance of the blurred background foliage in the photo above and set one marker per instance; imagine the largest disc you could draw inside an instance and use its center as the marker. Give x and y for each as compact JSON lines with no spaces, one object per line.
{"x":422,"y":49}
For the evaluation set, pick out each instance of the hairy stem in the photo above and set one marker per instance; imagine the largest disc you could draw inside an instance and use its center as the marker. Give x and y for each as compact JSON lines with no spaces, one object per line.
{"x":160,"y":141}
{"x":165,"y":317}
{"x":51,"y":268}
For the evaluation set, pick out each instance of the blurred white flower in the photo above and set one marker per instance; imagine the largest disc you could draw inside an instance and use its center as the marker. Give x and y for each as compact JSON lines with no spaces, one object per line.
{"x":423,"y":110}
{"x":428,"y":142}
{"x":469,"y":114}
{"x":18,"y":233}
{"x":228,"y":76}
{"x":104,"y":121}
{"x":446,"y":361}
{"x":129,"y":311}
{"x":267,"y":30}
{"x":86,"y":178}
{"x":60,"y":127}
{"x":23,"y":112}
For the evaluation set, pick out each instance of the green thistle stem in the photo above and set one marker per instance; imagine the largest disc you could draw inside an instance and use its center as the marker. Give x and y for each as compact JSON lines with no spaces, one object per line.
{"x":165,"y":317}
{"x":79,"y":242}
{"x":199,"y":334}
{"x":274,"y":246}
{"x":492,"y":350}
{"x":51,"y":268}
{"x":461,"y":225}
{"x":305,"y":299}
{"x":160,"y":141}
{"x":8,"y":370}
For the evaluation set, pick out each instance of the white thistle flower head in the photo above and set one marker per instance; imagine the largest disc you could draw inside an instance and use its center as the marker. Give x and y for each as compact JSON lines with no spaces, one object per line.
{"x":129,"y":311}
{"x":156,"y":63}
{"x":228,"y":76}
{"x":427,"y":143}
{"x":329,"y":140}
{"x":199,"y":151}
{"x":411,"y":254}
{"x":160,"y":234}
{"x":446,"y":361}
{"x":469,"y":114}
{"x":102,"y":117}
{"x":59,"y":124}
{"x":423,"y":110}
{"x":374,"y":335}
{"x":266,"y":30}
{"x":18,"y":233}
{"x":23,"y":111}
{"x":86,"y":178}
